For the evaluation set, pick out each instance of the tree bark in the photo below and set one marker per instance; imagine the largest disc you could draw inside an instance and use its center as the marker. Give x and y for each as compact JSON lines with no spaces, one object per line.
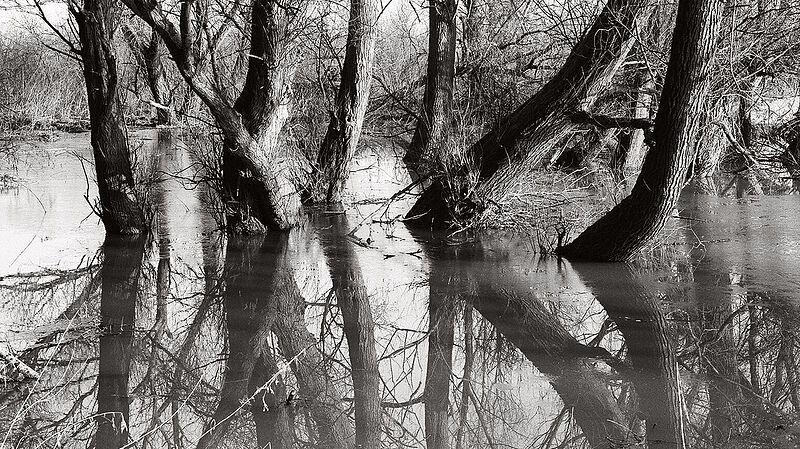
{"x":635,"y":222}
{"x":122,"y":263}
{"x":431,"y":135}
{"x":344,"y":130}
{"x":120,"y":210}
{"x":359,"y":327}
{"x":521,"y":140}
{"x":635,"y":144}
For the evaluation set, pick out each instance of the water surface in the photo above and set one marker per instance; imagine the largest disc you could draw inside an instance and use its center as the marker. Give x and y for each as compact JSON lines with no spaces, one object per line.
{"x":187,"y":338}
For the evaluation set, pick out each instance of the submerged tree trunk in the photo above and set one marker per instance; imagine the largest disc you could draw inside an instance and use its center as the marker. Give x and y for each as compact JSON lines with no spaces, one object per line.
{"x":359,"y":328}
{"x":261,"y":178}
{"x":119,"y":208}
{"x":523,"y":138}
{"x":632,"y":224}
{"x":344,"y":130}
{"x":122,"y":264}
{"x":433,"y":127}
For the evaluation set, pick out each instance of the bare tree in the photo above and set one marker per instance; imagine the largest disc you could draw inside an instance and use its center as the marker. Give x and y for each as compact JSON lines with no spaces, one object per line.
{"x":632,"y":224}
{"x":523,"y":138}
{"x":120,"y":210}
{"x":433,"y":126}
{"x":261,"y":177}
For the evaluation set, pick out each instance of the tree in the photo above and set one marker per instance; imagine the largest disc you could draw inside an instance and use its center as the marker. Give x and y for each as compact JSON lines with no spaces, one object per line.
{"x":344,"y":130}
{"x":433,"y":126}
{"x":120,"y":210}
{"x":261,"y":178}
{"x":522,"y":139}
{"x":635,"y":221}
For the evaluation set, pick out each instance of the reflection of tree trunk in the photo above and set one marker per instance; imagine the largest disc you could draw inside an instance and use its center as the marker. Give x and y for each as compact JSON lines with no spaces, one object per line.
{"x":317,"y":390}
{"x":634,"y":308}
{"x":344,"y":130}
{"x":121,"y":213}
{"x":539,"y":335}
{"x":635,"y":221}
{"x":466,"y":381}
{"x":249,"y":314}
{"x":723,"y":371}
{"x":441,"y":310}
{"x":359,"y":328}
{"x":521,"y":140}
{"x":122,"y":263}
{"x":271,"y":412}
{"x":433,"y":126}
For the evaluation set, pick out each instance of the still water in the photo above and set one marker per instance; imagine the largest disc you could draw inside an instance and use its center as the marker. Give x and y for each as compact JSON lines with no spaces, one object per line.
{"x":354,"y":331}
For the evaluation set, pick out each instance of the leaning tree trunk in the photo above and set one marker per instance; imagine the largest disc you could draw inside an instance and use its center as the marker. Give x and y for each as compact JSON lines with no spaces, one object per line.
{"x":344,"y":130}
{"x":523,"y":138}
{"x":431,"y":134}
{"x":120,"y":210}
{"x":633,"y":223}
{"x":261,"y":178}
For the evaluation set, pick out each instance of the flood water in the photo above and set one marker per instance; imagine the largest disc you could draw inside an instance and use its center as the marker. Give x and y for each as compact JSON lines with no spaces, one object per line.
{"x":188,"y":338}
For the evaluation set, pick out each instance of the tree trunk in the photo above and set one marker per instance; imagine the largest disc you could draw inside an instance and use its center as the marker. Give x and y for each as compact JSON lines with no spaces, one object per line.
{"x":636,"y":147}
{"x":269,"y":199}
{"x":431,"y":136}
{"x":633,"y":223}
{"x":359,"y":327}
{"x":122,"y":263}
{"x":120,"y":209}
{"x":521,"y":140}
{"x":344,"y":130}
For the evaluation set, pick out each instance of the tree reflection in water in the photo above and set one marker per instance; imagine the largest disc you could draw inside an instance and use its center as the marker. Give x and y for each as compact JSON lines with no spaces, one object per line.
{"x":320,"y":338}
